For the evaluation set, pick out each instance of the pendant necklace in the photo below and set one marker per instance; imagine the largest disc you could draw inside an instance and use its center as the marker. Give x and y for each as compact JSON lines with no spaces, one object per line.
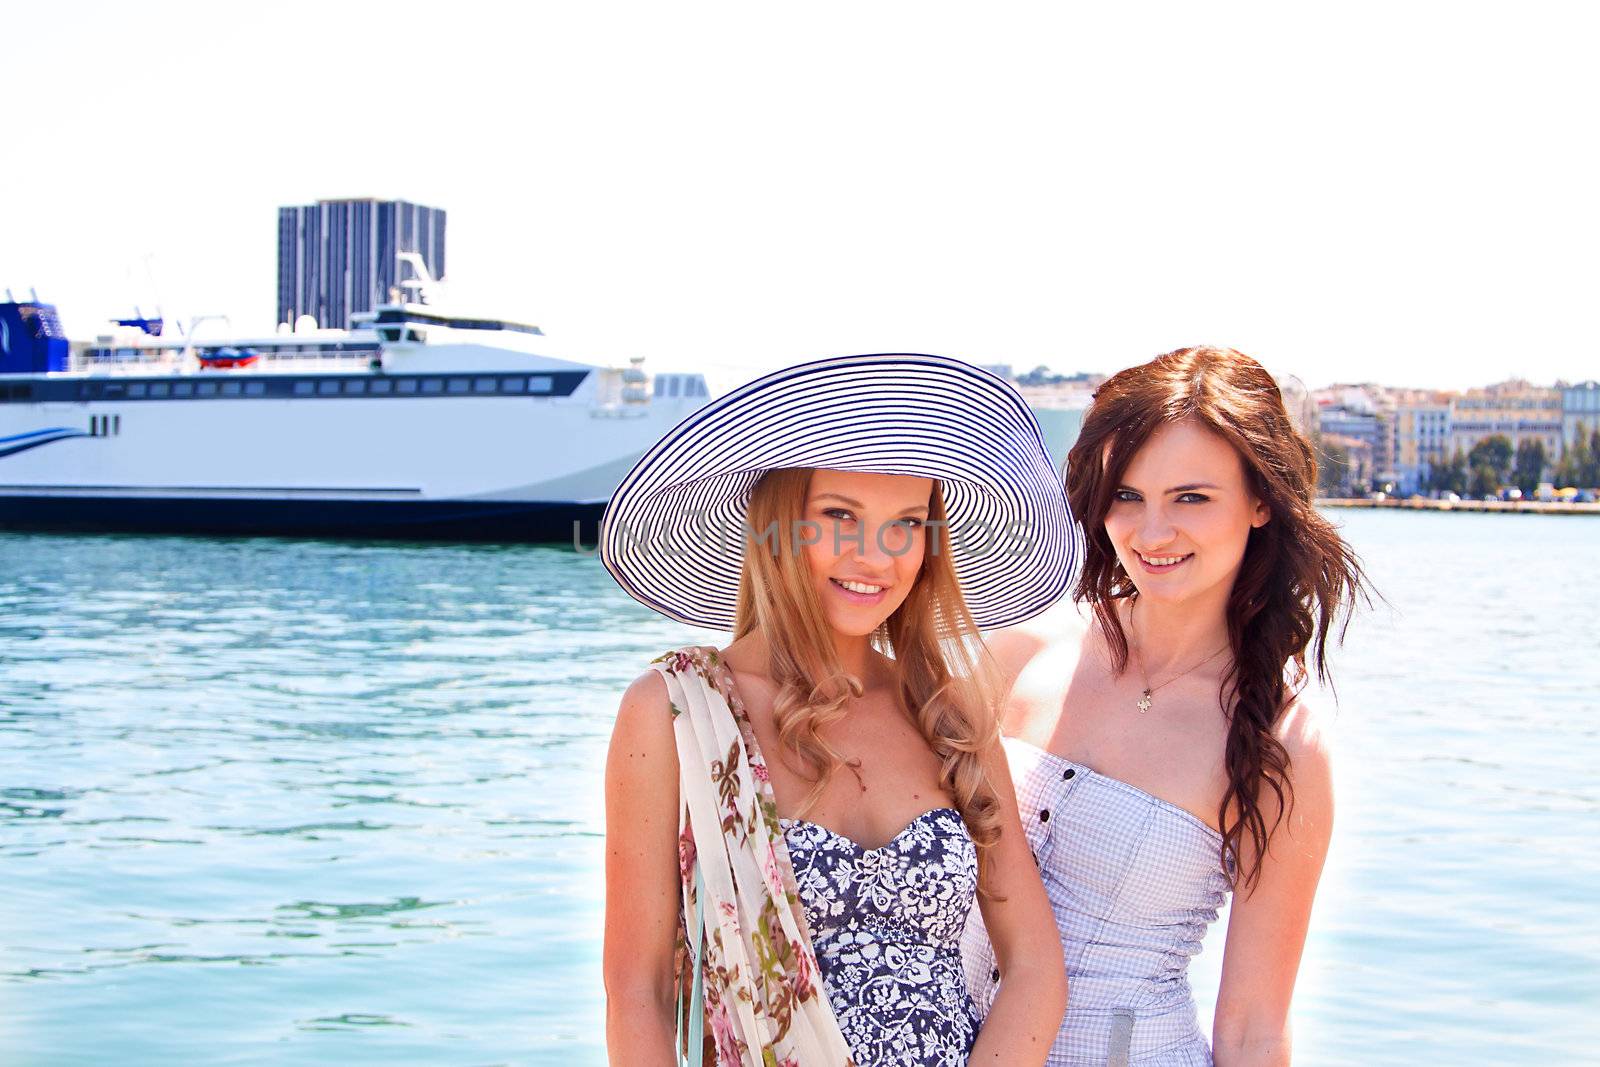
{"x":1144,"y":697}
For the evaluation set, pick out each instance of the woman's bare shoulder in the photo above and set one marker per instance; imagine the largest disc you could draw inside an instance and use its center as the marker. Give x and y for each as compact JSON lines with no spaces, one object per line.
{"x":1306,"y":733}
{"x":1016,"y":647}
{"x":1036,"y":659}
{"x":644,"y":716}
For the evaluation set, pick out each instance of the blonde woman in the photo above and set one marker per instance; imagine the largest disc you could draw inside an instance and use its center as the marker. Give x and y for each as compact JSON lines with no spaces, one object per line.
{"x":799,"y":823}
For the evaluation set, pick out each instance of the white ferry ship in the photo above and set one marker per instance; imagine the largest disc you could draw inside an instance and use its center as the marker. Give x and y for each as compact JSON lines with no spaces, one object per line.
{"x":414,"y":423}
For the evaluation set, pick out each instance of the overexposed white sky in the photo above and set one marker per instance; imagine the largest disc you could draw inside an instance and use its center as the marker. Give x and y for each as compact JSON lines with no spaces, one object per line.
{"x":1406,"y":193}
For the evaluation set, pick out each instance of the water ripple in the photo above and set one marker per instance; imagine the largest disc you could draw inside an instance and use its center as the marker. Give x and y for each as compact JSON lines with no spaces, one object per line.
{"x":342,"y":791}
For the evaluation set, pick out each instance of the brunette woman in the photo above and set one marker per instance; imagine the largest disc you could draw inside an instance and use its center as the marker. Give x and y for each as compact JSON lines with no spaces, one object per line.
{"x":1163,"y":751}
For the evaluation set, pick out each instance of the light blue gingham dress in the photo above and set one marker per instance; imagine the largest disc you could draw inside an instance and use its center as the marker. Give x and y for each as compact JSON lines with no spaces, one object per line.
{"x":1134,"y":883}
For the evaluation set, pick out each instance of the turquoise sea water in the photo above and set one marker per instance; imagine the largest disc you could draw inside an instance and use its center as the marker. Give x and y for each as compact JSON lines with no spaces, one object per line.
{"x":270,"y":801}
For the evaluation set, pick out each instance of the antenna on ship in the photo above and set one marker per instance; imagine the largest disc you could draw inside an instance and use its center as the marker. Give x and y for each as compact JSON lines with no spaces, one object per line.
{"x":155,"y":289}
{"x":188,"y":348}
{"x":429,"y":290}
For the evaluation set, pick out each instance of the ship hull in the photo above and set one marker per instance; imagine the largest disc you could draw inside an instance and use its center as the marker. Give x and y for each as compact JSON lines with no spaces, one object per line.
{"x":453,"y":520}
{"x":487,"y":456}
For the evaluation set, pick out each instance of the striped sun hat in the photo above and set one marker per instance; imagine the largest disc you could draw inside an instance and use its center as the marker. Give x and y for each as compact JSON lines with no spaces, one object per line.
{"x":674,"y":533}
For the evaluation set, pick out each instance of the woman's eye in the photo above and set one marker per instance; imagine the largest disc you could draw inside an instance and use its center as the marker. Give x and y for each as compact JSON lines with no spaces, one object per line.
{"x":1127,"y":496}
{"x":1193,"y":498}
{"x":911,"y":524}
{"x":839,"y":514}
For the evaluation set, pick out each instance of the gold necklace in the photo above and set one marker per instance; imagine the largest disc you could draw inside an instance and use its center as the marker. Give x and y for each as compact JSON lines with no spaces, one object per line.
{"x":1144,"y":698}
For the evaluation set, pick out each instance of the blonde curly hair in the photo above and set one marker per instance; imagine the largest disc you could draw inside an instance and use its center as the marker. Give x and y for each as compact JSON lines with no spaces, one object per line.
{"x":945,"y":678}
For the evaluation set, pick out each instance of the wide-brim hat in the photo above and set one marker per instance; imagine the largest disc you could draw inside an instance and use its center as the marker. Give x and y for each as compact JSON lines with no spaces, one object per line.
{"x":666,"y":538}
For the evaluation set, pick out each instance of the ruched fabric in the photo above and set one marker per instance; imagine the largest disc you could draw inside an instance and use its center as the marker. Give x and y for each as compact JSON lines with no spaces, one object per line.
{"x":1134,"y":882}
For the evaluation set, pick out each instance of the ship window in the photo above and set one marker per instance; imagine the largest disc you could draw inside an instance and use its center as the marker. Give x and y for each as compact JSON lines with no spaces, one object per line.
{"x":381,"y":385}
{"x":406,"y":385}
{"x":483,"y":385}
{"x":207,"y":389}
{"x":513,"y":385}
{"x":661,"y":386}
{"x":458,"y":385}
{"x":355,"y":385}
{"x":303,"y":388}
{"x":672,"y":386}
{"x":115,"y":390}
{"x":158,"y":388}
{"x":183,"y":389}
{"x":539,"y":383}
{"x":136,"y":389}
{"x":327,"y":387}
{"x":432,"y":385}
{"x":255,"y":388}
{"x":116,"y":424}
{"x":231,"y":388}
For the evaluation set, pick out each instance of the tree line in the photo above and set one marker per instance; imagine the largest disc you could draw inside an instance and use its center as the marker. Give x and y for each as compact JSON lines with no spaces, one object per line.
{"x":1483,"y":470}
{"x":1493,"y":463}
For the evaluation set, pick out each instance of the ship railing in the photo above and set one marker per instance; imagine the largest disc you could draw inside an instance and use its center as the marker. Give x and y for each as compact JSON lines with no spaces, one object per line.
{"x":142,"y":359}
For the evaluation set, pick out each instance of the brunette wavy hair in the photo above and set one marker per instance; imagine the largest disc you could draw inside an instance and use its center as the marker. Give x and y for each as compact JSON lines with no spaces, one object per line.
{"x":1298,"y":581}
{"x":943,"y":675}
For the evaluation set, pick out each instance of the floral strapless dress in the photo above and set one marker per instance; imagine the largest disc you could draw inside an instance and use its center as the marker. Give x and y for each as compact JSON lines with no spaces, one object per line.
{"x":886,"y":925}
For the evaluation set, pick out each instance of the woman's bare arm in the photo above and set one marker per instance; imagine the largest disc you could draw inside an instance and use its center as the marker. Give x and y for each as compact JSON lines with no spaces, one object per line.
{"x":1026,"y":1014}
{"x":1267,"y":927}
{"x":642,"y":888}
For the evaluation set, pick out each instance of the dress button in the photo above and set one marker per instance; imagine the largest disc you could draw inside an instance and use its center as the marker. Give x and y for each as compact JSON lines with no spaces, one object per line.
{"x":995,"y":975}
{"x":1066,"y":775}
{"x":1044,"y":816}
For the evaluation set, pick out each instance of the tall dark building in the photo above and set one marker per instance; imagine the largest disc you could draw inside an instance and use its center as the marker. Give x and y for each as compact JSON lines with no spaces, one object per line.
{"x":337,"y":257}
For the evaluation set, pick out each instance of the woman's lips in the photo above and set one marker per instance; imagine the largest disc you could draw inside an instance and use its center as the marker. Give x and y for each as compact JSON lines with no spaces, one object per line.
{"x":853,"y":597}
{"x":1162,"y":568}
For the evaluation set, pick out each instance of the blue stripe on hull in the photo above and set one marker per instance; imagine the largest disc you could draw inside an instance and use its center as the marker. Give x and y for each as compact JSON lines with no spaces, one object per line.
{"x":21,"y":442}
{"x":452,"y":520}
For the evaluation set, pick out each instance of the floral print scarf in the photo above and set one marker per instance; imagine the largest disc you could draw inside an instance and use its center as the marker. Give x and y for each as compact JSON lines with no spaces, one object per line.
{"x":763,"y":993}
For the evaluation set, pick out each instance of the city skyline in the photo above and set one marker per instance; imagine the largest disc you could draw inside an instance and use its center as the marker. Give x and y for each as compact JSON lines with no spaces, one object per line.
{"x":730,"y":190}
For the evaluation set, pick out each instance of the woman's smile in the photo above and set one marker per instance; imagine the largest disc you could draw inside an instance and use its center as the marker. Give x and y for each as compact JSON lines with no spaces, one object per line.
{"x":856,"y":591}
{"x":1163,"y":564}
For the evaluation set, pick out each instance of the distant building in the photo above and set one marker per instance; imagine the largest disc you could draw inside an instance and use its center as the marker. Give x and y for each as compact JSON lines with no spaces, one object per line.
{"x":1358,"y":473}
{"x":1514,"y":408}
{"x":1580,"y":410}
{"x":1359,"y":419}
{"x":1395,"y":437}
{"x":337,"y":257}
{"x":1348,"y":422}
{"x":1421,"y":436}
